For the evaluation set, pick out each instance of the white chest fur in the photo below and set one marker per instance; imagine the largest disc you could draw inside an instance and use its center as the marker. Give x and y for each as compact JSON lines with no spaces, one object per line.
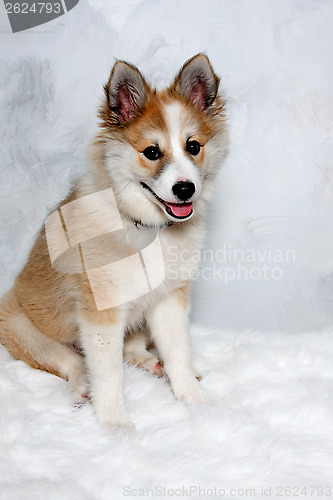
{"x":172,"y":264}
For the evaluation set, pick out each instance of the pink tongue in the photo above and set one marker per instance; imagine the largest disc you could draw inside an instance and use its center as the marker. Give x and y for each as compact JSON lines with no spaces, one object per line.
{"x":180,"y":210}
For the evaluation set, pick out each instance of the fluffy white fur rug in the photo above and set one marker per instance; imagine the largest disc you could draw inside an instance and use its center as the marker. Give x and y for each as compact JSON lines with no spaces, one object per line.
{"x":273,"y":428}
{"x":264,"y":345}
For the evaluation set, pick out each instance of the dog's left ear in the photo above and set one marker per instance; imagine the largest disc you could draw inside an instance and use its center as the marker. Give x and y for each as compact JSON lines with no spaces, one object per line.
{"x":197,"y":82}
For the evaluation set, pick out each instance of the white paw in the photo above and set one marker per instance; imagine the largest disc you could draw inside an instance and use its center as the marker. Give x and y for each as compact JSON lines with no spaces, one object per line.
{"x":193,"y":393}
{"x":126,"y":428}
{"x":79,"y":389}
{"x":120,"y":425}
{"x":112,"y":414}
{"x":210,"y":397}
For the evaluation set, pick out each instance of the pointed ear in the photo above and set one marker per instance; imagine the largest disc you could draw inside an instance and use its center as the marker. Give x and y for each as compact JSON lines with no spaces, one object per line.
{"x":126,"y":91}
{"x":197,"y":82}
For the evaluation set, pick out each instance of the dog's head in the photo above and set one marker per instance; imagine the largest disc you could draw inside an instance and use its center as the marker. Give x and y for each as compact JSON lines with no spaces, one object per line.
{"x":161,"y":149}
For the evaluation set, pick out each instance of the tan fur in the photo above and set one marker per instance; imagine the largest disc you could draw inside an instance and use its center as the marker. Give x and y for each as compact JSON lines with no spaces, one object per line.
{"x":10,"y":308}
{"x":183,"y":295}
{"x":44,"y":294}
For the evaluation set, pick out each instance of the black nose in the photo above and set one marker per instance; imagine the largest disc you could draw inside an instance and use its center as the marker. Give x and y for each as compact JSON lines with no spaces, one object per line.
{"x":183,"y":190}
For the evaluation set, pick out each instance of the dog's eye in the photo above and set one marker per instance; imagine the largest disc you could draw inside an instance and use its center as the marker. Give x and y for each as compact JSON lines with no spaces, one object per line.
{"x":193,"y":147}
{"x":152,"y":153}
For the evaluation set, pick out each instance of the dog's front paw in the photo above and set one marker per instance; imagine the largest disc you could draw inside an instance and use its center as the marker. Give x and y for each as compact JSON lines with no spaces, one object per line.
{"x":211,"y":397}
{"x":193,"y":393}
{"x":118,"y":426}
{"x":114,"y":417}
{"x":126,"y":428}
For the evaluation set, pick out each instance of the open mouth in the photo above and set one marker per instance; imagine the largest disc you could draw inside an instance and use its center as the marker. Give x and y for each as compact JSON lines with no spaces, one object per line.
{"x":176,"y":210}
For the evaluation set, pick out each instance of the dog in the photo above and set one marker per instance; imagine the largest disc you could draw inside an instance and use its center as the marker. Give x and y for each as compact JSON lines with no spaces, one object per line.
{"x":156,"y":157}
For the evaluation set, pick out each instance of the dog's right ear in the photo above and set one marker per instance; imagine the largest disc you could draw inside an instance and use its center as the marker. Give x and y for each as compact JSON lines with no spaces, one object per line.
{"x":126,"y":91}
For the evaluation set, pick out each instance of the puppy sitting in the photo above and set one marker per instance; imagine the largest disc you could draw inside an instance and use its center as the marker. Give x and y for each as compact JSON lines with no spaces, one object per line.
{"x":154,"y":163}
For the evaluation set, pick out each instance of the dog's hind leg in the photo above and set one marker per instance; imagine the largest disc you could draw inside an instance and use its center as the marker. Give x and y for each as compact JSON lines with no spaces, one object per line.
{"x":136,"y":353}
{"x":27,"y":343}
